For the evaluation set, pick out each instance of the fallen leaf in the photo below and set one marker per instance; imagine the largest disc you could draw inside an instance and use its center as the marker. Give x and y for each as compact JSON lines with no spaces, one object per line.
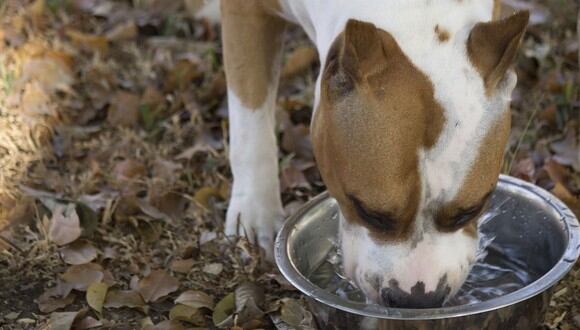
{"x":88,"y":41}
{"x":568,"y":150}
{"x":187,"y":314}
{"x":96,"y":294}
{"x":203,"y":195}
{"x":182,"y":266}
{"x":12,"y":315}
{"x":88,"y":218}
{"x":124,"y":109}
{"x":37,"y":102}
{"x":157,"y":285}
{"x":291,"y":177}
{"x":166,"y":325}
{"x":213,"y":268}
{"x":52,"y":71}
{"x":296,"y":140}
{"x":182,"y":74}
{"x":565,"y":196}
{"x":299,"y":61}
{"x":51,"y":300}
{"x":124,"y":298}
{"x":88,"y":323}
{"x":557,"y":172}
{"x":81,"y":276}
{"x":249,"y":298}
{"x":65,"y":225}
{"x":524,"y":169}
{"x":129,"y":169}
{"x":62,"y":321}
{"x":79,"y":252}
{"x":123,"y":32}
{"x":195,"y":299}
{"x":223,"y":313}
{"x":295,"y":315}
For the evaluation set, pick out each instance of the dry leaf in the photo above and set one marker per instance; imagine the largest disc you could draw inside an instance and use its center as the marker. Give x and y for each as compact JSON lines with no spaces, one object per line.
{"x":249,"y":298}
{"x":88,"y":323}
{"x":79,"y":252}
{"x":213,"y":268}
{"x":565,"y":196}
{"x":203,"y":195}
{"x":65,"y":226}
{"x":187,"y":314}
{"x":51,"y":300}
{"x":568,"y":150}
{"x":166,"y":325}
{"x":62,"y":321}
{"x":299,"y":61}
{"x":37,"y":102}
{"x":524,"y":169}
{"x":81,"y":276}
{"x":182,"y":74}
{"x":123,"y":32}
{"x":124,"y":298}
{"x":182,"y":266}
{"x":195,"y":299}
{"x":295,"y":315}
{"x":156,"y":285}
{"x":52,"y":71}
{"x":223,"y":313}
{"x":88,"y":41}
{"x":96,"y":294}
{"x":124,"y":109}
{"x":296,"y":140}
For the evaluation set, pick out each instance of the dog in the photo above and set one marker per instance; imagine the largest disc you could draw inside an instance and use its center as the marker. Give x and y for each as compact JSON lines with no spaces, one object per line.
{"x":411,"y":120}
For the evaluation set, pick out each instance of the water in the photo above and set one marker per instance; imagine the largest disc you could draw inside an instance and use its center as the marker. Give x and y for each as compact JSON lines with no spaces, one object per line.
{"x":494,"y":275}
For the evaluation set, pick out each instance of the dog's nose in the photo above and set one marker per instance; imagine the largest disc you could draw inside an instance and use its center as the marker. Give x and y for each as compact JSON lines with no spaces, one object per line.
{"x":393,"y":296}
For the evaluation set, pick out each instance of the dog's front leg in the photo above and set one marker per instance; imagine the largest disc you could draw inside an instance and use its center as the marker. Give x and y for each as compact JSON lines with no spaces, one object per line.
{"x":252,"y":41}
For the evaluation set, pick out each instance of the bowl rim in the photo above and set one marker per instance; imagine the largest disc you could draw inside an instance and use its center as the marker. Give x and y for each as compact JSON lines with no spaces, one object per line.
{"x":550,"y":278}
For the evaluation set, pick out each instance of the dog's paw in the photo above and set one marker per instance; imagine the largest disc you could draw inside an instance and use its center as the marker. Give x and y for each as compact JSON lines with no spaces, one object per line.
{"x":255,"y":219}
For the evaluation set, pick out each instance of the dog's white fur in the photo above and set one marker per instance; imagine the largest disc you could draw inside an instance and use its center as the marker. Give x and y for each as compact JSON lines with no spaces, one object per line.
{"x":469,"y":114}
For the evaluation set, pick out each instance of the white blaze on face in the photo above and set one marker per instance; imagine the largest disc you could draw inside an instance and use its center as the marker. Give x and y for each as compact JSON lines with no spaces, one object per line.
{"x":437,"y":255}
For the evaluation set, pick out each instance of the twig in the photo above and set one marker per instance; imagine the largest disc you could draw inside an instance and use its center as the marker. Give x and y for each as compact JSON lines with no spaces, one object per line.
{"x":5,"y":240}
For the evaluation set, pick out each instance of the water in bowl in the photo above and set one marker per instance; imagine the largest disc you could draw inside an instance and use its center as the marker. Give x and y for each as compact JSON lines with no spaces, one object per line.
{"x":496,"y":273}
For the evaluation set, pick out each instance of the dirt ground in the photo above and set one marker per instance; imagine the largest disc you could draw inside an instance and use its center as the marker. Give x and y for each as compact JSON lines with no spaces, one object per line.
{"x":114,"y":178}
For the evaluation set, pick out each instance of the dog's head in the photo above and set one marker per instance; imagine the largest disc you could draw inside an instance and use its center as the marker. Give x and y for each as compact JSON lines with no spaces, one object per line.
{"x":412,"y":152}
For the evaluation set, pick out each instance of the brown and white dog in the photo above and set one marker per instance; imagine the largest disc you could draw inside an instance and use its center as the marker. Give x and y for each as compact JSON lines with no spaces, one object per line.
{"x":411,"y":118}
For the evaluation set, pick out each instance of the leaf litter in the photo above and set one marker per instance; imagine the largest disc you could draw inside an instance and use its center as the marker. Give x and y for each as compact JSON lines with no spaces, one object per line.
{"x":115,"y":180}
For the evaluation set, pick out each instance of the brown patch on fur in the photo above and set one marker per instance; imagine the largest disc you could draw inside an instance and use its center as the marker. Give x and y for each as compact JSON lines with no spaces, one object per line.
{"x":442,"y":34}
{"x":471,"y":229}
{"x":492,"y":47}
{"x":482,"y":177}
{"x":252,"y":42}
{"x":376,"y":110}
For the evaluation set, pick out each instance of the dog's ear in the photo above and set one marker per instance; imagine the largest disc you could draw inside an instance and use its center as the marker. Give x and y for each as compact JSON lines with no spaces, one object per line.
{"x":492,"y":46}
{"x":365,"y":48}
{"x":359,"y":52}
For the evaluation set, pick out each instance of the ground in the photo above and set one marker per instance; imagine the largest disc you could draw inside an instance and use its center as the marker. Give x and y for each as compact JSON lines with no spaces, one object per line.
{"x":114,"y":178}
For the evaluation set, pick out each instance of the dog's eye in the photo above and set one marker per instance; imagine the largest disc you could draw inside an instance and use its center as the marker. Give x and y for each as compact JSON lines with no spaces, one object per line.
{"x":464,"y":216}
{"x":379,"y":220}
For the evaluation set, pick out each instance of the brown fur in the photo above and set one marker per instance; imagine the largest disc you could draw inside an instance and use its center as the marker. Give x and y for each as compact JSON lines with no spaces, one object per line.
{"x":482,"y":177}
{"x":376,"y":110}
{"x":492,"y":47}
{"x":252,"y":42}
{"x":442,"y":34}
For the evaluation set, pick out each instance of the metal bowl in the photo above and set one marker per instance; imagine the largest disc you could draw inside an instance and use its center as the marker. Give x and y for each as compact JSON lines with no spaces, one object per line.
{"x":539,"y":227}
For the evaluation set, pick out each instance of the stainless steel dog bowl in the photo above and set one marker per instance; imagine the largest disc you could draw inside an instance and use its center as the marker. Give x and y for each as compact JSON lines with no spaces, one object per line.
{"x":540,"y":228}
